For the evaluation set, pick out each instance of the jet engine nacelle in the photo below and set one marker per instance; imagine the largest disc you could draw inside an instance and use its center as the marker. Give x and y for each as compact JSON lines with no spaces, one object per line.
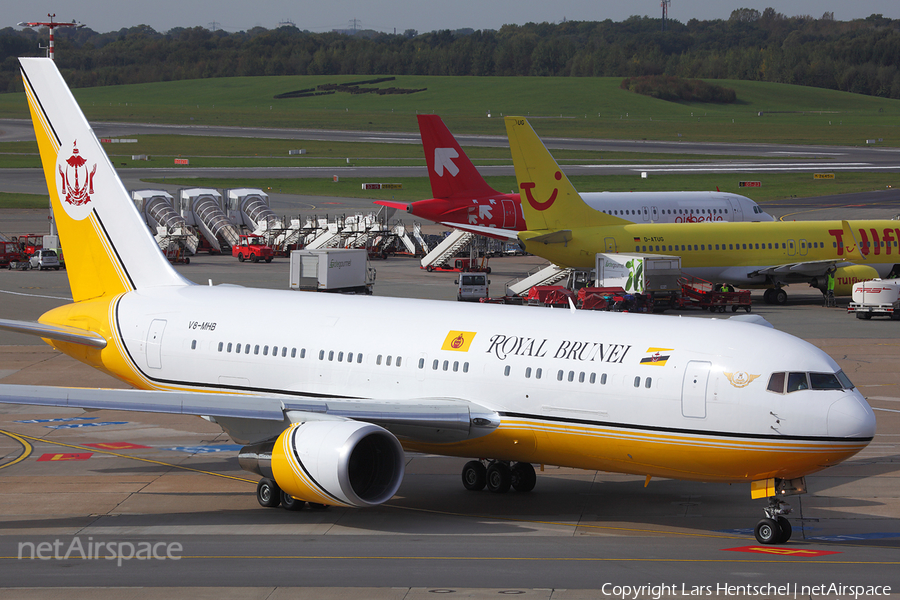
{"x":845,"y":277}
{"x":340,"y":463}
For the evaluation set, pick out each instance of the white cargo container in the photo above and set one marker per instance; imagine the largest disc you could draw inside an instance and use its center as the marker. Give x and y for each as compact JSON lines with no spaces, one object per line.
{"x":332,"y":270}
{"x":876,"y":297}
{"x":638,"y":273}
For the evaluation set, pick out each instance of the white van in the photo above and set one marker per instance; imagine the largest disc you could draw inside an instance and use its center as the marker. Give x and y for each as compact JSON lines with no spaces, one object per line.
{"x":472,"y":286}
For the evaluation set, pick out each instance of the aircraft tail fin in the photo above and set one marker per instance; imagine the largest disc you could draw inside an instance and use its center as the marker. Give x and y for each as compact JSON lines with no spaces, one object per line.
{"x":450,"y":171}
{"x":107,"y":247}
{"x":549,"y":201}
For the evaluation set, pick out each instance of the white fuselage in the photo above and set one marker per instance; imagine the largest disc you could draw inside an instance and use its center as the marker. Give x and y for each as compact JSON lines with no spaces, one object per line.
{"x":676,"y":207}
{"x":311,"y":344}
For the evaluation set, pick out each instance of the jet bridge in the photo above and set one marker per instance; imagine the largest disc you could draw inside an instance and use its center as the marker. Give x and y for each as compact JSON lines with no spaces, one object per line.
{"x":202,"y":208}
{"x":170,"y":230}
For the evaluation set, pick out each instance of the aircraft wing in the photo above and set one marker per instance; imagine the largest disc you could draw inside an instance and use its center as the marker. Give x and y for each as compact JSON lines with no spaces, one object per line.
{"x":494,"y":232}
{"x":814,"y":268}
{"x":420,"y":419}
{"x":55,"y":332}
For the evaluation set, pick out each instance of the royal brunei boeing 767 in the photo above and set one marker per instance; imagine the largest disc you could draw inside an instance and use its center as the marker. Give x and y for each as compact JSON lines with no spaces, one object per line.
{"x":325,"y":396}
{"x":566,"y":231}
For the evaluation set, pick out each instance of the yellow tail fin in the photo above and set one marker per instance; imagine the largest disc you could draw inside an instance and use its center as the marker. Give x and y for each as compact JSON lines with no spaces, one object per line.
{"x":107,"y":246}
{"x":549,"y":201}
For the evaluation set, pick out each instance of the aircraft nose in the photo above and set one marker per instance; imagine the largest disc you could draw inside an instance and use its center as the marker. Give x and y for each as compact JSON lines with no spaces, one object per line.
{"x":851,"y":417}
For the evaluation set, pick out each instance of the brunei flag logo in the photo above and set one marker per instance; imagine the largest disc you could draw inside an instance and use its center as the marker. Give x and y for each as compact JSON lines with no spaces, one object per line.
{"x":458,"y":341}
{"x":656,"y":357}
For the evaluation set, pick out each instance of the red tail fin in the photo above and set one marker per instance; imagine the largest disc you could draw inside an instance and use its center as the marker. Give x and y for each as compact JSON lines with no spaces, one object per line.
{"x":451,"y":172}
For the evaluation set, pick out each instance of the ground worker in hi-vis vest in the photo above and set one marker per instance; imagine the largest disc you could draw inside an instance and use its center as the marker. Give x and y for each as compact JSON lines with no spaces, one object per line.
{"x":829,"y":287}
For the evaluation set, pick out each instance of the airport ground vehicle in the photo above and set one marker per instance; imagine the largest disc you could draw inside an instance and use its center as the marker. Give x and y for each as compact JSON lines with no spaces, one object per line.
{"x":10,"y":254}
{"x":705,"y":295}
{"x":343,"y":270}
{"x":876,"y":298}
{"x":472,"y":286}
{"x":253,"y":248}
{"x":44,"y":259}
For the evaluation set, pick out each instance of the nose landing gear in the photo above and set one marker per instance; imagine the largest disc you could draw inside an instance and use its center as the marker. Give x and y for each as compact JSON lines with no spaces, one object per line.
{"x":774,"y":529}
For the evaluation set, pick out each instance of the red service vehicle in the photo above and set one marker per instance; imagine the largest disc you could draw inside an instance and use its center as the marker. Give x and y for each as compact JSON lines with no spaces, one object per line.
{"x":10,"y":252}
{"x":30,"y":243}
{"x":253,"y":248}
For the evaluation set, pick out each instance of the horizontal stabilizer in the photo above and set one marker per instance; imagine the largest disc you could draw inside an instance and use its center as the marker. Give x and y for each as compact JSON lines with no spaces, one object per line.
{"x":398,"y":205}
{"x":60,"y":333}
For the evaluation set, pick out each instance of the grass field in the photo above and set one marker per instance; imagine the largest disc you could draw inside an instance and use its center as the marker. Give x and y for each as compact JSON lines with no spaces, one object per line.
{"x":774,"y":186}
{"x":570,"y":106}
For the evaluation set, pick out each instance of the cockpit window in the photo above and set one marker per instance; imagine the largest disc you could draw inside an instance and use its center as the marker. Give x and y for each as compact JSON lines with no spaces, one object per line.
{"x":824,"y":381}
{"x":796,"y":382}
{"x":845,"y":381}
{"x":776,"y":383}
{"x":805,"y":381}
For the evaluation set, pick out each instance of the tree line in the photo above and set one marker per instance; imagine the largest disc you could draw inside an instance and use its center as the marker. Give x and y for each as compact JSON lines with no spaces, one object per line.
{"x":861,"y":56}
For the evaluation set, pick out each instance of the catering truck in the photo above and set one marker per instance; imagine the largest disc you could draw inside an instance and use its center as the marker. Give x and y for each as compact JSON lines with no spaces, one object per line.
{"x":876,"y":297}
{"x":638,"y":273}
{"x":343,"y":270}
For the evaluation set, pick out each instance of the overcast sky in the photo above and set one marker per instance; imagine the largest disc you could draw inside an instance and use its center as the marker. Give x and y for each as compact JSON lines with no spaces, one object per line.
{"x":390,"y":15}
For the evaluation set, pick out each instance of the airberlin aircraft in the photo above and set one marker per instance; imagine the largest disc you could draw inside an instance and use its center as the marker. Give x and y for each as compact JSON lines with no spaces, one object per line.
{"x":325,"y":398}
{"x":462,"y":197}
{"x":563,"y":229}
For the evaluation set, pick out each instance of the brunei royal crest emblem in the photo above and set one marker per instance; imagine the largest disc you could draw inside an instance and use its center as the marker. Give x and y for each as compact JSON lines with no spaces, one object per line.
{"x":76,"y":179}
{"x":740,"y":379}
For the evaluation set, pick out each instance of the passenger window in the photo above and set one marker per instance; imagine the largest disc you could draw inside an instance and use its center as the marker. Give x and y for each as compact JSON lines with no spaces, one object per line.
{"x":528,"y":373}
{"x":302,"y":352}
{"x":455,"y":366}
{"x":648,"y":382}
{"x":603,"y":379}
{"x":349,"y":357}
{"x":265,"y":350}
{"x":340,"y":357}
{"x":434,"y":365}
{"x":378,"y":360}
{"x":274,"y":350}
{"x":581,"y":377}
{"x":796,"y":382}
{"x":559,"y":376}
{"x":465,"y":367}
{"x":637,"y":382}
{"x":506,"y":370}
{"x":256,"y":349}
{"x":194,"y":345}
{"x":331,"y":355}
{"x":229,"y":347}
{"x":321,"y":355}
{"x":537,"y":374}
{"x":359,"y":358}
{"x":446,"y":364}
{"x":388,"y":361}
{"x":571,"y":376}
{"x":293,"y":353}
{"x":776,"y":383}
{"x":421,"y":363}
{"x":398,"y":361}
{"x":593,"y":378}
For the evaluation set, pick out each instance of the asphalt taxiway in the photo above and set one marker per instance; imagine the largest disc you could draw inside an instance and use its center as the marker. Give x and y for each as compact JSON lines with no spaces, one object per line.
{"x":70,"y":478}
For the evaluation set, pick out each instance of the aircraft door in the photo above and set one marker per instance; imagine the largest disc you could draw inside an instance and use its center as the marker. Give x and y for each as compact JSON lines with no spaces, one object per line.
{"x":509,"y":214}
{"x":803,"y":245}
{"x":645,"y":213}
{"x":154,"y":343}
{"x":790,"y":248}
{"x":736,"y":213}
{"x":693,"y":391}
{"x":654,"y":214}
{"x":610,"y":244}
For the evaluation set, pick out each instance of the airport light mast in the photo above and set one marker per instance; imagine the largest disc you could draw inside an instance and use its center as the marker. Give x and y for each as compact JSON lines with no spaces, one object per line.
{"x":51,"y":26}
{"x":665,"y":12}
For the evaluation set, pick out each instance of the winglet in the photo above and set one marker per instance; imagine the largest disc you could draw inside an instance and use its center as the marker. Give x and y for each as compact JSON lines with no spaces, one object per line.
{"x":549,"y":201}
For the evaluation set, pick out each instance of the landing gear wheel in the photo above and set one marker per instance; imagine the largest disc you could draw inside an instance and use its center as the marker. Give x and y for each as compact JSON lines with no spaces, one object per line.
{"x":288,"y":502}
{"x":474,"y":476}
{"x":786,"y":529}
{"x":767,"y":296}
{"x":523,"y":477}
{"x":499,"y":477}
{"x":779,"y":296}
{"x":268,"y":493}
{"x":768,"y":532}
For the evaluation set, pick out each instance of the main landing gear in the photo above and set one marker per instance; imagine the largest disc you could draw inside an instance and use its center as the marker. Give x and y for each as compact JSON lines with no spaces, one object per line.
{"x":775,"y":296}
{"x":774,"y":529}
{"x":269,"y":495}
{"x":498,"y":476}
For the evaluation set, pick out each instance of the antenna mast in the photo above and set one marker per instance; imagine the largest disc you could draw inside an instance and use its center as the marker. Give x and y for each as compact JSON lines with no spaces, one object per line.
{"x":51,"y":26}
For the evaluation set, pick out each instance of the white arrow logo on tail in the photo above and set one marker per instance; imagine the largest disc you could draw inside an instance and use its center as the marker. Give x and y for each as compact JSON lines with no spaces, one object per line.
{"x":443,"y":157}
